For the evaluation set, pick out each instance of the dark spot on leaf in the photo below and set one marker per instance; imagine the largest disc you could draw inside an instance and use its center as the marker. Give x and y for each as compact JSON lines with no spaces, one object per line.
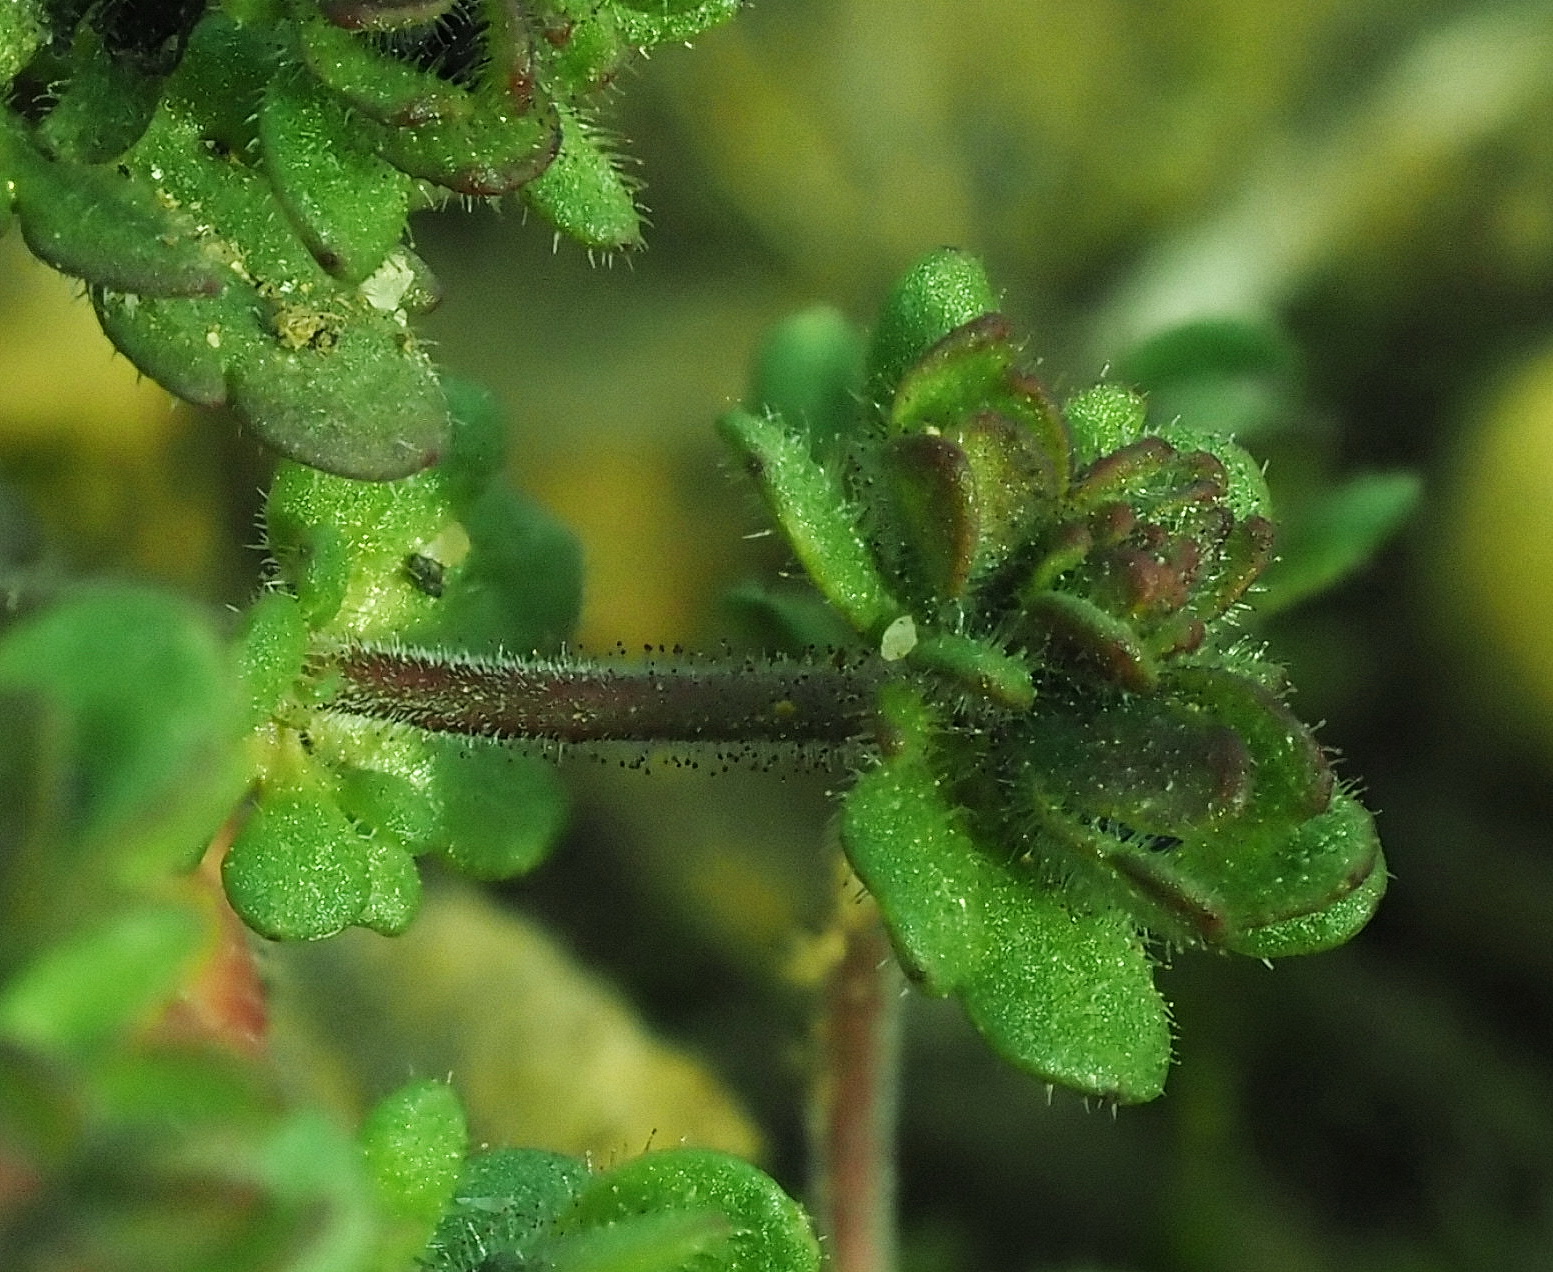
{"x":425,"y":573}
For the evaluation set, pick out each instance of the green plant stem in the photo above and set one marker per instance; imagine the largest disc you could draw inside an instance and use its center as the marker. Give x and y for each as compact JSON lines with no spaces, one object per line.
{"x":824,"y":703}
{"x":853,"y":1111}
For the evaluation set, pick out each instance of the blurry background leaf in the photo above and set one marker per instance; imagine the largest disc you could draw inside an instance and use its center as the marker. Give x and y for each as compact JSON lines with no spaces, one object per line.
{"x":1335,"y":534}
{"x":541,"y":1052}
{"x":141,"y":722}
{"x":85,"y":993}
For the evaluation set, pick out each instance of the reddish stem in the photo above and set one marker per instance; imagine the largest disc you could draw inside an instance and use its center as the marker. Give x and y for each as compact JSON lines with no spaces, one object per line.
{"x":855,"y":1095}
{"x":223,"y":1000}
{"x":828,"y":702}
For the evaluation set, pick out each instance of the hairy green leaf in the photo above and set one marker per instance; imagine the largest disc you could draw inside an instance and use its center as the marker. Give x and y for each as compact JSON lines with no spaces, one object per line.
{"x":822,"y":529}
{"x":583,"y":193}
{"x":766,"y":1230}
{"x":348,"y":205}
{"x":1059,"y":989}
{"x":945,"y":290}
{"x":414,"y":1141}
{"x":298,"y":870}
{"x":503,"y":1205}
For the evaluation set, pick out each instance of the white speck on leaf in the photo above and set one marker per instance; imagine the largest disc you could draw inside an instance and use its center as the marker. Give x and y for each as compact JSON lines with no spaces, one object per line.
{"x":899,"y":639}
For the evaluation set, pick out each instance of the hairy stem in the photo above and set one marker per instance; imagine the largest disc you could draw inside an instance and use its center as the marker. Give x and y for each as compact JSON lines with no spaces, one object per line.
{"x":827,"y":703}
{"x":853,"y":1114}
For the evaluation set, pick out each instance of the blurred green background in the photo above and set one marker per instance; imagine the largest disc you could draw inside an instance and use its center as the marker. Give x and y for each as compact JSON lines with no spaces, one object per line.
{"x":1374,"y":178}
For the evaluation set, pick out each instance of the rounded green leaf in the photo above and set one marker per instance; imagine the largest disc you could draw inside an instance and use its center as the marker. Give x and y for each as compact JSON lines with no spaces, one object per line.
{"x":795,"y":622}
{"x":1226,"y":374}
{"x":1140,"y":760}
{"x":414,"y":1142}
{"x":383,"y":15}
{"x":393,"y":887}
{"x":104,"y":106}
{"x":504,"y":1203}
{"x":105,"y":227}
{"x":365,"y":404}
{"x":503,"y":811}
{"x":769,"y":1230}
{"x":520,"y":587}
{"x":298,"y":870}
{"x":1080,"y":631}
{"x":324,"y":373}
{"x":390,"y":804}
{"x":344,"y":546}
{"x":929,"y":490}
{"x":1209,"y":347}
{"x":1069,"y":995}
{"x":944,"y":290}
{"x":583,"y":47}
{"x":1103,"y":419}
{"x":178,"y":343}
{"x":478,"y":446}
{"x":317,"y":1191}
{"x":974,"y":373}
{"x":910,"y":849}
{"x":1261,"y":881}
{"x":347,"y":205}
{"x":271,"y":650}
{"x":1058,"y":989}
{"x":492,"y":151}
{"x":1293,"y":776}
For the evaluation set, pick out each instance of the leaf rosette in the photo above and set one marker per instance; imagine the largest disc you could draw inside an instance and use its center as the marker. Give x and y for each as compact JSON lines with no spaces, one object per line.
{"x":232,"y":183}
{"x":1079,"y":752}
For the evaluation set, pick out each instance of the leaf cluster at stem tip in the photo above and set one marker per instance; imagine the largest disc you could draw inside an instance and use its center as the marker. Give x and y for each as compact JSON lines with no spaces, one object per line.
{"x":1078,"y":751}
